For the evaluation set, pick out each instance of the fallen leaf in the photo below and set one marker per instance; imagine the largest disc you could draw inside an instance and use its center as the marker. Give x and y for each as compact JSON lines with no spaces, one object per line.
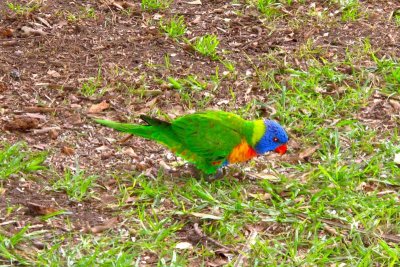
{"x":184,"y":245}
{"x":27,"y":31}
{"x":111,"y":223}
{"x":366,"y":187}
{"x":195,"y":2}
{"x":308,"y":151}
{"x":2,"y":191}
{"x":262,"y":197}
{"x":130,"y":152}
{"x":206,"y":216}
{"x":96,"y":108}
{"x":54,"y":74}
{"x":152,"y":102}
{"x":40,"y":109}
{"x":46,"y":130}
{"x":36,"y":116}
{"x":3,"y":87}
{"x":67,"y":150}
{"x":386,"y":192}
{"x":263,"y":176}
{"x":397,"y":159}
{"x":21,"y":124}
{"x":39,"y":210}
{"x":131,"y":199}
{"x":41,"y":146}
{"x":44,"y":22}
{"x":223,"y":102}
{"x":53,"y":134}
{"x":7,"y":32}
{"x":196,"y":20}
{"x":331,"y":230}
{"x":218,"y":262}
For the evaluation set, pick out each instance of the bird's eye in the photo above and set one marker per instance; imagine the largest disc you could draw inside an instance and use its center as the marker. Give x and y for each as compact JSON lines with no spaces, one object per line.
{"x":275,"y":139}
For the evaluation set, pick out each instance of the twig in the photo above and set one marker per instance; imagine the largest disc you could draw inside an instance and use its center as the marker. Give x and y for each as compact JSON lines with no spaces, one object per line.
{"x":209,"y":239}
{"x":388,"y":96}
{"x":387,"y":183}
{"x":386,"y":237}
{"x":45,"y":130}
{"x":126,"y":138}
{"x":40,"y":109}
{"x":246,"y":249}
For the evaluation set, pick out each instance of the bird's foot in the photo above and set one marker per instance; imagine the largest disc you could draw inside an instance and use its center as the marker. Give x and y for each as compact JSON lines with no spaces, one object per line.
{"x":221,"y":172}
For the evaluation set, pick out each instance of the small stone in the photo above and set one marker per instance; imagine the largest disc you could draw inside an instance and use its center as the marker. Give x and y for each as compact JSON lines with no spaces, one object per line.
{"x":15,"y":74}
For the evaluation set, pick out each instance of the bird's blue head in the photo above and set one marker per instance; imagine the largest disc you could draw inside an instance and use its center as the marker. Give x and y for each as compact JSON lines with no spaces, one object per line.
{"x":274,"y":139}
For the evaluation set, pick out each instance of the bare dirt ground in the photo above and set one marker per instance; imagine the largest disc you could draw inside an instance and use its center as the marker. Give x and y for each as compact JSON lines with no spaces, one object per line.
{"x":43,"y":67}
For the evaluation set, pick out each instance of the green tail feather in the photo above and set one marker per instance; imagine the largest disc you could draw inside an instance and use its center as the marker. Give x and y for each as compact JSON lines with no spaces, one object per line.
{"x":139,"y":130}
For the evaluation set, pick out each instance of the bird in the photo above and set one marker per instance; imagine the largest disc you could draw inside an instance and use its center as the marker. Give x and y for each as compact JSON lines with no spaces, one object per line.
{"x":210,"y":139}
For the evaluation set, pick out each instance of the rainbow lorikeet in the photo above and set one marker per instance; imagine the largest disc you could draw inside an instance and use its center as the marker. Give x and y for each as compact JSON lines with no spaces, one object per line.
{"x":210,"y":139}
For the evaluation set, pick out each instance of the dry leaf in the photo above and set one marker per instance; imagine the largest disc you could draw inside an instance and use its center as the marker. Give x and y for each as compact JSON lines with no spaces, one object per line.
{"x":386,"y":192}
{"x":206,"y":216}
{"x":96,"y":108}
{"x":67,"y":150}
{"x":39,"y":210}
{"x":40,"y":109}
{"x":184,"y":245}
{"x":262,"y":197}
{"x":218,"y":262}
{"x":103,"y":227}
{"x":195,"y":2}
{"x":2,"y":191}
{"x":397,"y":159}
{"x":21,"y":124}
{"x":3,"y":87}
{"x":263,"y":176}
{"x":7,"y":32}
{"x":53,"y":134}
{"x":54,"y":74}
{"x":152,"y":102}
{"x":44,"y":22}
{"x":331,"y":230}
{"x":308,"y":151}
{"x":27,"y":31}
{"x":130,"y":152}
{"x":223,"y":102}
{"x":131,"y":199}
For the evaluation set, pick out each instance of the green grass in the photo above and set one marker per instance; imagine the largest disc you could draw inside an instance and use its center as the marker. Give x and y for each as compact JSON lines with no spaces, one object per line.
{"x":20,"y":9}
{"x":18,"y":158}
{"x":224,"y":208}
{"x":174,"y":27}
{"x":154,"y":5}
{"x":350,"y":10}
{"x":269,"y":8}
{"x":76,"y":184}
{"x":390,"y":70}
{"x":92,"y":85}
{"x":8,"y":246}
{"x":207,"y":45}
{"x":396,"y":17}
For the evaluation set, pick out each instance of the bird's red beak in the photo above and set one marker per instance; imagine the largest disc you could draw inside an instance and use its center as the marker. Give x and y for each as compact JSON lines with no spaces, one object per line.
{"x":281,"y":149}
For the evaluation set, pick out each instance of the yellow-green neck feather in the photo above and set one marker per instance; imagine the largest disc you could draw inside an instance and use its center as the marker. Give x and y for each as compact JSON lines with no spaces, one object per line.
{"x":258,"y":131}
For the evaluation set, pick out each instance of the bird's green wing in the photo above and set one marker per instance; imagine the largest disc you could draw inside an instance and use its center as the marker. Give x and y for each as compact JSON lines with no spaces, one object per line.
{"x":211,"y":135}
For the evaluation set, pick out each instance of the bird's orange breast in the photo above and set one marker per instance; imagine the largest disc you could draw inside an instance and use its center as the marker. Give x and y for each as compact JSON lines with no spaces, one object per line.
{"x":242,"y":152}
